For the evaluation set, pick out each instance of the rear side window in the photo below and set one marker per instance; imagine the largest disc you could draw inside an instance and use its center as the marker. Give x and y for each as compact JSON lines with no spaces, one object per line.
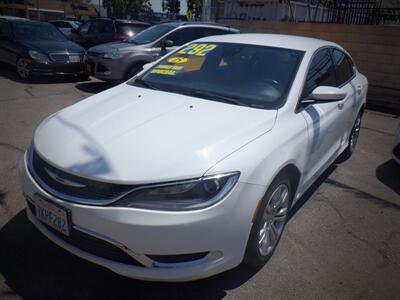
{"x":64,"y":25}
{"x":84,"y":28}
{"x":130,"y":29}
{"x":101,"y":27}
{"x":183,"y":36}
{"x":321,"y":72}
{"x":207,"y":31}
{"x":343,"y":67}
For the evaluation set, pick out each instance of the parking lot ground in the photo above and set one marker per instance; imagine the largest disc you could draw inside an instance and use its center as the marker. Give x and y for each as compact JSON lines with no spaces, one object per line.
{"x":342,"y":240}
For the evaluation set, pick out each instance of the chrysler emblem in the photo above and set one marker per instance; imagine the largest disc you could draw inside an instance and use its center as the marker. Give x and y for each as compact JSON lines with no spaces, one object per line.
{"x":63,"y":180}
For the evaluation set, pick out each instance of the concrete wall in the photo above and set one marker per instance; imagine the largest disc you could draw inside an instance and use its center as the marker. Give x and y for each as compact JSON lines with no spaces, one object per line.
{"x":375,"y":50}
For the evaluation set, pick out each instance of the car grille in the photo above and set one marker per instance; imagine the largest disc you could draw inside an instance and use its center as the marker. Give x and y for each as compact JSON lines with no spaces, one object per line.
{"x":91,"y":244}
{"x":71,"y":187}
{"x":66,"y":58}
{"x":93,"y":53}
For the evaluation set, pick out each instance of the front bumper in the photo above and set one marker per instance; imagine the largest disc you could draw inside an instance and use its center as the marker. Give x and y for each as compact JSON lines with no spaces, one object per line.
{"x":57,"y":69}
{"x":107,"y":69}
{"x":220,"y":231}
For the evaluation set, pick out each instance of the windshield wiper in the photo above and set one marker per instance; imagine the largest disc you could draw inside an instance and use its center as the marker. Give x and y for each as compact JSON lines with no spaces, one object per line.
{"x":215,"y":96}
{"x":145,"y":84}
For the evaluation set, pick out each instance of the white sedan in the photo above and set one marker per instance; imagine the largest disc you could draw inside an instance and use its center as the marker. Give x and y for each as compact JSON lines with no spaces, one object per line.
{"x":192,"y":166}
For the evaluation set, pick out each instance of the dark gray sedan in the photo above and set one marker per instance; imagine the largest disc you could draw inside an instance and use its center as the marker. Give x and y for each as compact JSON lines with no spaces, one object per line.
{"x":121,"y":60}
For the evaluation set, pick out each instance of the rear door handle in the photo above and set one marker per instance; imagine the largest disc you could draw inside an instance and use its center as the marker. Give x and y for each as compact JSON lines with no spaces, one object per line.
{"x":359,"y":89}
{"x":340,"y":105}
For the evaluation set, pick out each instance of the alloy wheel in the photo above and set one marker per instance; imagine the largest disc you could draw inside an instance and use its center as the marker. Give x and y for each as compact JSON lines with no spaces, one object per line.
{"x":274,"y":219}
{"x":355,"y":133}
{"x":23,"y":68}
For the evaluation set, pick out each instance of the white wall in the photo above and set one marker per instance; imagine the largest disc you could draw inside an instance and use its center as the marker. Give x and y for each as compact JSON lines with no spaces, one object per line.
{"x":156,"y":4}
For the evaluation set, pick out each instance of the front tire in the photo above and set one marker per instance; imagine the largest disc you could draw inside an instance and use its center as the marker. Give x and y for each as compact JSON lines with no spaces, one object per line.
{"x":23,"y":68}
{"x":132,"y":71}
{"x":270,"y":221}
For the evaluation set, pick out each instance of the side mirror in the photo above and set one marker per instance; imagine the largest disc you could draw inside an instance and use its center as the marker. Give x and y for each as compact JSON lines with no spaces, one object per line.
{"x":323,"y":94}
{"x":166,"y":44}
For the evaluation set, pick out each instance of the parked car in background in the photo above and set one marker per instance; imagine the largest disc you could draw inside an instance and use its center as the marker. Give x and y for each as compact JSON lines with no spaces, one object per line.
{"x":120,"y":61}
{"x":104,"y":30}
{"x":38,"y":48}
{"x":193,"y":166}
{"x":396,"y":148}
{"x":66,"y":26}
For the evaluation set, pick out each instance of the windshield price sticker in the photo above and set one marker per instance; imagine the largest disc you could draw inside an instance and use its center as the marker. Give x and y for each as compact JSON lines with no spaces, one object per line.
{"x":198,"y":49}
{"x":171,"y":67}
{"x":177,"y":60}
{"x":164,"y":72}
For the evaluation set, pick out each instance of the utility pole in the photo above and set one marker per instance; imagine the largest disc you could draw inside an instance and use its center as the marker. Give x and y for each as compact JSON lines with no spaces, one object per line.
{"x":206,"y":13}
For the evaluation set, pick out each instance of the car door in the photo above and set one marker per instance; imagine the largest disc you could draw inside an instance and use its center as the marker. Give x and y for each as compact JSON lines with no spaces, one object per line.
{"x":7,"y":47}
{"x":323,"y":119}
{"x":345,"y":79}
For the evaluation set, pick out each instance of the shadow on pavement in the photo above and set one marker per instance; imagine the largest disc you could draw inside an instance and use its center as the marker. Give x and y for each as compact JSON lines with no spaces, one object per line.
{"x":389,"y":174}
{"x":35,"y":268}
{"x":95,"y":87}
{"x":9,"y":72}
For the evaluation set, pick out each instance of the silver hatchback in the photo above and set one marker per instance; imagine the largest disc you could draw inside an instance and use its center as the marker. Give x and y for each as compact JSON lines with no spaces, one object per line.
{"x":120,"y":61}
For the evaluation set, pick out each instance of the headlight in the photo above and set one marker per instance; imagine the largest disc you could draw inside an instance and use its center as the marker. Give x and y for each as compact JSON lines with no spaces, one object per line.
{"x":115,"y":55}
{"x":182,"y":195}
{"x":39,"y":57}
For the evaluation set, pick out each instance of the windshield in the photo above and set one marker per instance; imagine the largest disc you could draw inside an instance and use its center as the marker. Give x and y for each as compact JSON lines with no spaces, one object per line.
{"x":151,"y":34}
{"x":241,"y":74}
{"x":37,"y":32}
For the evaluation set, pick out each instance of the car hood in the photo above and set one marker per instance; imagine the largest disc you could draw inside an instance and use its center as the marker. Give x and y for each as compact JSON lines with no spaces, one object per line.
{"x":135,"y":135}
{"x":115,"y":46}
{"x":49,"y":46}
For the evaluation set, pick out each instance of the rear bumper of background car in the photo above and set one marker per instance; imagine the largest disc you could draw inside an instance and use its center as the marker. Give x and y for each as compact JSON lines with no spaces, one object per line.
{"x":155,"y":245}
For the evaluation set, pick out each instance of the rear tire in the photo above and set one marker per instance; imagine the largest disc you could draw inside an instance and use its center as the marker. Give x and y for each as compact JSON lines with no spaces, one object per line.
{"x":353,"y":138}
{"x":270,"y":222}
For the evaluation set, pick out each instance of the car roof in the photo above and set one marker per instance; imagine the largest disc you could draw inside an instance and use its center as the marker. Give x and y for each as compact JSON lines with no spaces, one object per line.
{"x":11,"y":18}
{"x":193,"y":23}
{"x":273,"y":40}
{"x":125,"y":21}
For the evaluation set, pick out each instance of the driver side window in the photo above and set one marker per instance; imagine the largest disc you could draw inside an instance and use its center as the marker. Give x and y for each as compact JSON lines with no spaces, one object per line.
{"x":321,"y":72}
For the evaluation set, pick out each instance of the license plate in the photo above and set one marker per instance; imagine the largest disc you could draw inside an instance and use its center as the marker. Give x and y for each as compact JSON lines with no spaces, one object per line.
{"x":74,"y":59}
{"x":53,"y":215}
{"x":88,"y":68}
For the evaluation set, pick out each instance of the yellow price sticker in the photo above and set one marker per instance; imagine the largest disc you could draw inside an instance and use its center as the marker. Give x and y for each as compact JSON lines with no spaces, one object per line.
{"x":177,"y":60}
{"x":198,"y":49}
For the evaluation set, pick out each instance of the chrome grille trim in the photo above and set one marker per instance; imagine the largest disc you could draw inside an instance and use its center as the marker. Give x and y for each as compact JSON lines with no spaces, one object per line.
{"x":66,"y":57}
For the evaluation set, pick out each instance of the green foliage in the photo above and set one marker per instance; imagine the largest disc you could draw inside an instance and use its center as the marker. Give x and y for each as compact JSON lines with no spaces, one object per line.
{"x":171,"y":6}
{"x":196,"y":7}
{"x":125,"y":8}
